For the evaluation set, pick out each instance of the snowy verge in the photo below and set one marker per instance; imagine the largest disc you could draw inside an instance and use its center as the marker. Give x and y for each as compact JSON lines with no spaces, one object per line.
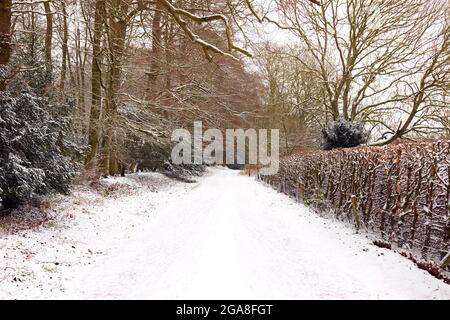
{"x":43,"y":248}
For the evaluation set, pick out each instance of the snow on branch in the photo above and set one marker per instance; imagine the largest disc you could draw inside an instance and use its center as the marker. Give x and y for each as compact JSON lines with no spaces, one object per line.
{"x":178,"y":14}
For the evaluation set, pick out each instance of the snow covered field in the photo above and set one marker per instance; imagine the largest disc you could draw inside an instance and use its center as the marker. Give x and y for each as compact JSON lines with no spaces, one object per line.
{"x":226,"y":237}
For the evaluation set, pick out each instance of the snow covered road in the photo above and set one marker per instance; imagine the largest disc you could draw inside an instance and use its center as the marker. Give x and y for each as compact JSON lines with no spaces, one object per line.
{"x":230,"y":237}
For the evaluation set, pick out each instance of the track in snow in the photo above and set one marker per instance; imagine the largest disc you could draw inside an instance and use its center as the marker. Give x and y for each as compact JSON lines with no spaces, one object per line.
{"x":231,"y":237}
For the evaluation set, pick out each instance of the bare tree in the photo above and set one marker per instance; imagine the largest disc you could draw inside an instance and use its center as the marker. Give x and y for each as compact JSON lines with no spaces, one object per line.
{"x":48,"y":38}
{"x":65,"y":45}
{"x":96,"y":84}
{"x":424,"y":95}
{"x":5,"y":31}
{"x":293,"y":100}
{"x":369,"y":54}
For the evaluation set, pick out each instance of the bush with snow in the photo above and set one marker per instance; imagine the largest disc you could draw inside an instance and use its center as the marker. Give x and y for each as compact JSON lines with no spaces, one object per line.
{"x":183,"y":170}
{"x":344,"y":134}
{"x":33,"y":160}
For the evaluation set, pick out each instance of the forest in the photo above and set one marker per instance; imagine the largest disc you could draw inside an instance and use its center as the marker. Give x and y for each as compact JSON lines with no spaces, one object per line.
{"x":94,"y":88}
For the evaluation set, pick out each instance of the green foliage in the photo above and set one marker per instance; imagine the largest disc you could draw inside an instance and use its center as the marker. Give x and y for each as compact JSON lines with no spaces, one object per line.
{"x":344,"y":134}
{"x":33,"y":144}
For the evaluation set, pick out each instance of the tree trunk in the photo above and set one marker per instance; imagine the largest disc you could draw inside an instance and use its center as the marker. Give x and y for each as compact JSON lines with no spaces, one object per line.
{"x":80,"y":79}
{"x":117,"y":32}
{"x":65,"y":50}
{"x":96,"y":82}
{"x":168,"y":39}
{"x":48,"y":41}
{"x":156,"y":50}
{"x":5,"y":36}
{"x":445,"y":262}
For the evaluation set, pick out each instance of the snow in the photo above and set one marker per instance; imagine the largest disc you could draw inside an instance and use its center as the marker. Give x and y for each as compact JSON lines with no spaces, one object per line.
{"x":225,"y":237}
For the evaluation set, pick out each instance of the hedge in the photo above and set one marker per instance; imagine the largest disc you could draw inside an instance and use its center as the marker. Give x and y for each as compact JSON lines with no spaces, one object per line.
{"x":401,"y":193}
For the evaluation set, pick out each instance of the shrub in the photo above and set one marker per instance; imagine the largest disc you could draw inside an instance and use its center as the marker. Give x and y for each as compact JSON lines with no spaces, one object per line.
{"x":344,"y":134}
{"x":32,"y":145}
{"x":183,"y":172}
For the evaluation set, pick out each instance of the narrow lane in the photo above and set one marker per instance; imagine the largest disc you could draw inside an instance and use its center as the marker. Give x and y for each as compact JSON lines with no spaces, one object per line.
{"x":231,"y":237}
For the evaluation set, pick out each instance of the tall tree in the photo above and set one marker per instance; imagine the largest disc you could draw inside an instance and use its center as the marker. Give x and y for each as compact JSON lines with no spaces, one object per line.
{"x":96,"y":83}
{"x":5,"y":35}
{"x":117,"y":30}
{"x":156,"y":49}
{"x":48,"y":39}
{"x":65,"y":45}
